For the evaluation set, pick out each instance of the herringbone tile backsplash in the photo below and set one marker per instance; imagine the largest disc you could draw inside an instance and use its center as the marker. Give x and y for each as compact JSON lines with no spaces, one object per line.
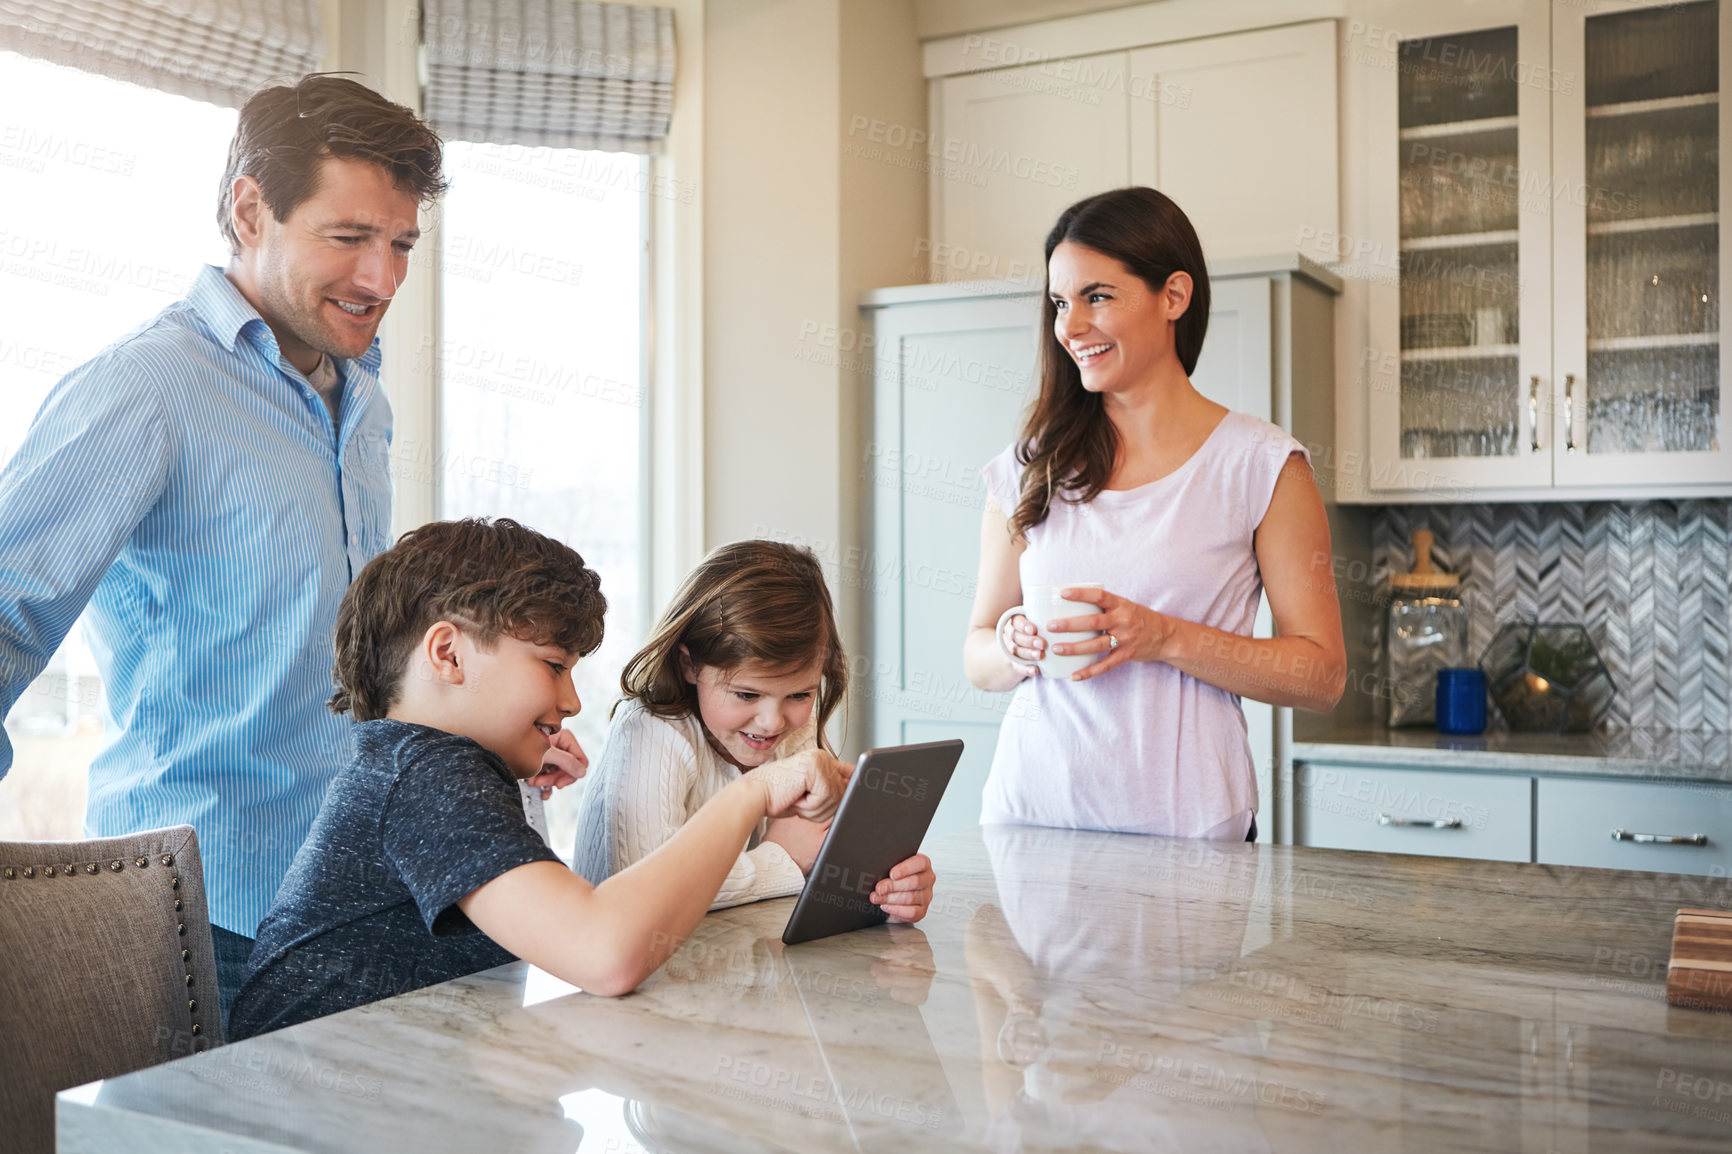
{"x":1651,"y":580}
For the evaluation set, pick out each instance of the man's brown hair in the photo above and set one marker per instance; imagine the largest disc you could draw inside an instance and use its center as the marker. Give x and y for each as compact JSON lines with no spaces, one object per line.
{"x":285,"y":132}
{"x":491,"y":578}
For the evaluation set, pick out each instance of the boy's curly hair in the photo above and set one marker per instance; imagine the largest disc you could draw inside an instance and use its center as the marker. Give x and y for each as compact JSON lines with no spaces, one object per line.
{"x":492,"y":577}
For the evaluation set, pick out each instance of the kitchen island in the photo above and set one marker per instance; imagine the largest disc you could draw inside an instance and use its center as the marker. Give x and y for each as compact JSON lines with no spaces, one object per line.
{"x":1068,"y":991}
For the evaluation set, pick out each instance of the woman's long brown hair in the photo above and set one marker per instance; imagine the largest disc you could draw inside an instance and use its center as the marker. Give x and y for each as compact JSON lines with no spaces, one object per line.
{"x":760,"y":601}
{"x":1068,"y":443}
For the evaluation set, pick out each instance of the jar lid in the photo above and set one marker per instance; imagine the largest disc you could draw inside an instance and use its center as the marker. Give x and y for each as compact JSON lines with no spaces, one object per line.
{"x":1423,"y":575}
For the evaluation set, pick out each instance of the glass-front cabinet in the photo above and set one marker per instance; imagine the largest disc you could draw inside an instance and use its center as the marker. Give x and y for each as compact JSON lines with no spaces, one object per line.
{"x":1545,"y":220}
{"x":1638,"y":256}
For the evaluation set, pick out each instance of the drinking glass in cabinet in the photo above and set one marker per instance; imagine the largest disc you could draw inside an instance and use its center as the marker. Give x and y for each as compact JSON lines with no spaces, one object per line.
{"x":1460,"y":201}
{"x":1653,"y":231}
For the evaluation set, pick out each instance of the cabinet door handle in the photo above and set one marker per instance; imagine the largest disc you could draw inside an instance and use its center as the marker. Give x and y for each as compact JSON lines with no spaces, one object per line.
{"x":1570,"y":411}
{"x":1660,"y":838}
{"x":1534,"y":412}
{"x":1413,"y":823}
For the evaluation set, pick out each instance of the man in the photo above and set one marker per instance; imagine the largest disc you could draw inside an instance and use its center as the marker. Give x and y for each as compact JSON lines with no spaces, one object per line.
{"x":210,"y":484}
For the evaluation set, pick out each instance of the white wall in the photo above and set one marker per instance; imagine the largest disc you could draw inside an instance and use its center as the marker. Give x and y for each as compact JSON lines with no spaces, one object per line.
{"x":795,"y":227}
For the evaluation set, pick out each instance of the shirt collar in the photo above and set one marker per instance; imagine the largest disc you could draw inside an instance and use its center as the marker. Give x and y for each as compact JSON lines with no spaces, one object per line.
{"x":227,"y":314}
{"x":221,"y":306}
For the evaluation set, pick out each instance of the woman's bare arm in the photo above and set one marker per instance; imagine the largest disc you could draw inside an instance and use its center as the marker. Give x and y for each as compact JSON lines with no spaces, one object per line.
{"x":998,"y":588}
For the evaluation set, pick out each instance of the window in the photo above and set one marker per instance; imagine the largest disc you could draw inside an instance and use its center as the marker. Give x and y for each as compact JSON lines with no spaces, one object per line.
{"x":542,"y":305}
{"x":110,"y":192}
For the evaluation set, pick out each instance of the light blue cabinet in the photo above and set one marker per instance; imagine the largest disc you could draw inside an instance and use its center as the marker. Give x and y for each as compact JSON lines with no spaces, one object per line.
{"x":1670,"y":827}
{"x":1475,"y":815}
{"x":954,"y":365}
{"x":1608,"y":823}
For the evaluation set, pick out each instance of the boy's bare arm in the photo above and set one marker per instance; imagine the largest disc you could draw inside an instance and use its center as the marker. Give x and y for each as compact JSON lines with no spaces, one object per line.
{"x":608,"y":938}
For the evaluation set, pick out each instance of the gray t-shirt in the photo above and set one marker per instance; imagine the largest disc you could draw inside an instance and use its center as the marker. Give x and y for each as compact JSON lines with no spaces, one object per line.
{"x":419,"y":819}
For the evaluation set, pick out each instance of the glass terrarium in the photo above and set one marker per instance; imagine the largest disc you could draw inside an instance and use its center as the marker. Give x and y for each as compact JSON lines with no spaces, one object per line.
{"x":1547,"y":678}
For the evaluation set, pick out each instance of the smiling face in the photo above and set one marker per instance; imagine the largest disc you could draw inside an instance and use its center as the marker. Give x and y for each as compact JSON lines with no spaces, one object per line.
{"x":323,"y":278}
{"x":512,"y":698}
{"x":748,"y":709}
{"x":1117,"y":330}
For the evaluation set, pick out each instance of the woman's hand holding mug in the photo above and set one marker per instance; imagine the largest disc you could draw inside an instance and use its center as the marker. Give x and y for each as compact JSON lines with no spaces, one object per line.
{"x":1031,"y":640}
{"x":1127,"y":631}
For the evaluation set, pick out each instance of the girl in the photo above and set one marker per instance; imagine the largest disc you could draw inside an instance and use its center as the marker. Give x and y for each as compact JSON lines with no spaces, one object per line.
{"x":745,"y":667}
{"x":1124,"y":474}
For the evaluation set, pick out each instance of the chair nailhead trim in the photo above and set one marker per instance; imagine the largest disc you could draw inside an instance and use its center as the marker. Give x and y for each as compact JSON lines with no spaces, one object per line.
{"x":11,"y":873}
{"x":185,"y":953}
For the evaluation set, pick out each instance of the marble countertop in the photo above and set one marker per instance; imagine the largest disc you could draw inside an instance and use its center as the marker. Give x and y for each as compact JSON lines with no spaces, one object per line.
{"x":1659,"y":754}
{"x":1074,"y":991}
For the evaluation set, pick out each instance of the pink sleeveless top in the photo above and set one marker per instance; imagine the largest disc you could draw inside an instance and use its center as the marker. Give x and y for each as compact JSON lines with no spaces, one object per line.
{"x":1144,"y":748}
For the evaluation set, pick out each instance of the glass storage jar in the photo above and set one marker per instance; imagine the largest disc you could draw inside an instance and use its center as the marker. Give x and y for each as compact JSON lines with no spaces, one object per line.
{"x":1426,"y":631}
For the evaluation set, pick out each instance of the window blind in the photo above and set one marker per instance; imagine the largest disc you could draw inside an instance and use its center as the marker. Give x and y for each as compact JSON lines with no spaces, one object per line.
{"x":214,"y":50}
{"x":554,"y":73}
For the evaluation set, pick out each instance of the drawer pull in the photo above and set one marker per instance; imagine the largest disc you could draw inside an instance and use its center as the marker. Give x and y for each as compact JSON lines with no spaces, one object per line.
{"x":1660,"y":838}
{"x":1534,"y":412}
{"x":1413,"y":823}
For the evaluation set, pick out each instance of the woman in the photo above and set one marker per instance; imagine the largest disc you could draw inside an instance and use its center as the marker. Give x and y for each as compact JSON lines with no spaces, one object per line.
{"x":1125,"y":475}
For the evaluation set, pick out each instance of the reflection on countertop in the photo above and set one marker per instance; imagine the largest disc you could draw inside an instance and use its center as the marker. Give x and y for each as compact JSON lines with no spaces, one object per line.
{"x":1069,"y":990}
{"x":1658,"y":754}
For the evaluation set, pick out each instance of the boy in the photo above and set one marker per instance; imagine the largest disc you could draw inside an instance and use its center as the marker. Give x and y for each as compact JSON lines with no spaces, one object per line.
{"x":454,"y":651}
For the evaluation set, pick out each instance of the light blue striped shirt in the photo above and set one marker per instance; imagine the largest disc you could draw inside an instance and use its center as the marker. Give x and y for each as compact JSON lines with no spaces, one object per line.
{"x":188,"y":484}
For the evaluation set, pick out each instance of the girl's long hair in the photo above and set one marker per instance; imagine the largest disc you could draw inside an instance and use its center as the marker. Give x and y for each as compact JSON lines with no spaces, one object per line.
{"x":1068,"y":443}
{"x":759,"y":601}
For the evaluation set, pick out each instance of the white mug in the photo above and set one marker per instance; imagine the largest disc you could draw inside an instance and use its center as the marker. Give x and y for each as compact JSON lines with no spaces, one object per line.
{"x":1041,"y":603}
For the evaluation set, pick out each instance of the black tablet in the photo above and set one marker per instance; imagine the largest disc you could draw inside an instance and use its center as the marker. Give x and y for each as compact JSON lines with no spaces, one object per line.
{"x":884,"y":813}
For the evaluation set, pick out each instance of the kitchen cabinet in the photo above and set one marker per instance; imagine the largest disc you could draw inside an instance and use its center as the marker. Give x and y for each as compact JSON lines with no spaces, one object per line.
{"x":1473,"y":815}
{"x":1014,"y":147}
{"x":1272,"y":94}
{"x":1635,"y":825}
{"x":1011,"y":149}
{"x":954,"y":365}
{"x":1607,"y":822}
{"x":1544,"y":206}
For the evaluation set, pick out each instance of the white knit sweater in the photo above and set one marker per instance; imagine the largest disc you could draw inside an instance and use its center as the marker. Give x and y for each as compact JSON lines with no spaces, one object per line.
{"x":653,"y":775}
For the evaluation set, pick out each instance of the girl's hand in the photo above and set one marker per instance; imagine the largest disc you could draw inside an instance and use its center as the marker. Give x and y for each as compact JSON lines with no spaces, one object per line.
{"x":906,"y":892}
{"x":1142,"y":634}
{"x":807,"y":785}
{"x":562,"y":764}
{"x":1019,"y":634}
